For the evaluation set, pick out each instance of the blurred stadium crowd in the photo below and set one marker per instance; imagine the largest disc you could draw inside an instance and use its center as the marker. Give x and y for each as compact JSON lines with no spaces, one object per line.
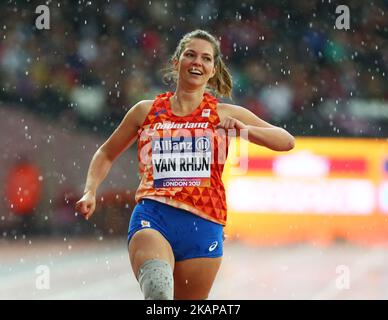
{"x":286,"y":57}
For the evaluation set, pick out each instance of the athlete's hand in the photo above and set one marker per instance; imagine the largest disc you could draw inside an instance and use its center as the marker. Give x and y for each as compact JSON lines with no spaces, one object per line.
{"x":86,"y":205}
{"x":231,"y":123}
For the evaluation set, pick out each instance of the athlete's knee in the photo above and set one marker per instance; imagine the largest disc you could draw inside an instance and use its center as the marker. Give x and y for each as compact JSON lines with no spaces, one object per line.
{"x":156,"y":280}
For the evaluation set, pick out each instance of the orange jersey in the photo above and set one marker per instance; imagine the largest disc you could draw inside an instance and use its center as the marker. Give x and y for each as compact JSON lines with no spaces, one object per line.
{"x":181,"y":159}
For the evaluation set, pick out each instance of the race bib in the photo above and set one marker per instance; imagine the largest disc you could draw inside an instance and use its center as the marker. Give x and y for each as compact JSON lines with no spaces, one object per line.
{"x":181,"y":161}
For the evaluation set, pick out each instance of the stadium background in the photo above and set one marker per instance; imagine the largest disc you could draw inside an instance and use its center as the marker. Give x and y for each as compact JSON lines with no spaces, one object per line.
{"x":294,"y":218}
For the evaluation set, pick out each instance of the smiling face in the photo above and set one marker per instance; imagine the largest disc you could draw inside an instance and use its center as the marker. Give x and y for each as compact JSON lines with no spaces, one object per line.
{"x":196,"y":63}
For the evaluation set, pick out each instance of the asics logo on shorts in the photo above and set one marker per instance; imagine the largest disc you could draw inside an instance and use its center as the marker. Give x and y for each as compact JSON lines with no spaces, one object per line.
{"x":213,"y":246}
{"x":145,"y":224}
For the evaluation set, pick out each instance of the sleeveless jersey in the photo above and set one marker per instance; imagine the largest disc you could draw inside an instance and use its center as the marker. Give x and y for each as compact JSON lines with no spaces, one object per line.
{"x":181,"y":158}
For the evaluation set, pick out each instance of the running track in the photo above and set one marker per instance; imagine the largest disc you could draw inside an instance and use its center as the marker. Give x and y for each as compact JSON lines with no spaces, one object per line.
{"x":99,"y":269}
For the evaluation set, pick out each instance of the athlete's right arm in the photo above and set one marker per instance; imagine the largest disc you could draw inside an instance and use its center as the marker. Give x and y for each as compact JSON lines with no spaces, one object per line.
{"x":123,"y":137}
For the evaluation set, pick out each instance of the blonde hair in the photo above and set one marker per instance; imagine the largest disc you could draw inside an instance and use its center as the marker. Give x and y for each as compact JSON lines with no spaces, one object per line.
{"x":221,"y":82}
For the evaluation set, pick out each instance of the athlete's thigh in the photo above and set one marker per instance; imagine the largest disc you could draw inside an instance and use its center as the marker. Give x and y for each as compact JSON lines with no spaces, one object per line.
{"x":148,"y":244}
{"x":193,"y":278}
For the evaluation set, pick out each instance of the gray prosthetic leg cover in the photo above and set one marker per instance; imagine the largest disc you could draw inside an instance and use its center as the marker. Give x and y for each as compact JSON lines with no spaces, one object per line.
{"x":156,"y":280}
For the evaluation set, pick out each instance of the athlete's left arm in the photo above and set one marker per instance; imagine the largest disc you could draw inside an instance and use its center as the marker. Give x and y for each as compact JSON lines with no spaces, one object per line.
{"x":259,"y":131}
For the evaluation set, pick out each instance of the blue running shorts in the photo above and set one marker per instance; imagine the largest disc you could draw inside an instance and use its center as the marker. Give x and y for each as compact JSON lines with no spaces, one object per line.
{"x":189,"y":235}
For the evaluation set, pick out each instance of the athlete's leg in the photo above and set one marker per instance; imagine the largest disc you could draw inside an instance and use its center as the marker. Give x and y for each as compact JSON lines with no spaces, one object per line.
{"x":152,"y":262}
{"x":193,"y":278}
